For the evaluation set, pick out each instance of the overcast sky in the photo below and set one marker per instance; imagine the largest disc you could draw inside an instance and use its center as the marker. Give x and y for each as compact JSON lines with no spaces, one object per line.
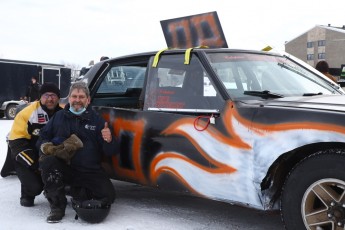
{"x":77,"y":31}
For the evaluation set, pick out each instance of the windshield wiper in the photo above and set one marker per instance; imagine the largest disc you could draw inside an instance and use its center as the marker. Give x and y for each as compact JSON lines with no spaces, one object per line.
{"x":264,"y":94}
{"x":312,"y":94}
{"x":292,"y":68}
{"x":333,"y":85}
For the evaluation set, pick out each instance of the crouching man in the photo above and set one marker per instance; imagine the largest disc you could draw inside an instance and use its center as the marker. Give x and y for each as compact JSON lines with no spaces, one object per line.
{"x":71,"y":147}
{"x":22,"y":141}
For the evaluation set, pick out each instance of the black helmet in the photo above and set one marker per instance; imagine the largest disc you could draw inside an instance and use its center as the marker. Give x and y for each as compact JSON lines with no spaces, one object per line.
{"x":92,"y":211}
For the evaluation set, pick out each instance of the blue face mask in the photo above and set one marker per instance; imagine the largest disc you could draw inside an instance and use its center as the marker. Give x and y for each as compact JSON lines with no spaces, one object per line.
{"x":72,"y":110}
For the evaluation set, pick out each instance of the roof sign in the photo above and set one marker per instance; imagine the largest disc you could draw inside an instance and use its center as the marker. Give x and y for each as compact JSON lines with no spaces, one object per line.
{"x":195,"y":30}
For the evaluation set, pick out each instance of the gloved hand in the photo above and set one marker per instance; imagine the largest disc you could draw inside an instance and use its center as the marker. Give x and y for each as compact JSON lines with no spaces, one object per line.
{"x":73,"y":143}
{"x":66,"y":150}
{"x":26,"y":157}
{"x":49,"y":148}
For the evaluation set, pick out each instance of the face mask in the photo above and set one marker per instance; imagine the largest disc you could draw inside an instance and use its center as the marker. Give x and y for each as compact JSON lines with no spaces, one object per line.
{"x":72,"y":110}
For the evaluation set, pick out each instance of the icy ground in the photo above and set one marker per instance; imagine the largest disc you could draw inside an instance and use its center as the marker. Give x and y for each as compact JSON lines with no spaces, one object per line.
{"x":136,"y":208}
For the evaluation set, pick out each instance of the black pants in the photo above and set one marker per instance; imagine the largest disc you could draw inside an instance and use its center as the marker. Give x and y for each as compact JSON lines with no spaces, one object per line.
{"x":31,"y":181}
{"x":84,"y":185}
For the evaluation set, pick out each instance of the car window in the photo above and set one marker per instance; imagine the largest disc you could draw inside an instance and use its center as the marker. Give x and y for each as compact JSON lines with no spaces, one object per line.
{"x":174,"y":85}
{"x":266,"y":73}
{"x":120,"y":79}
{"x":120,"y":87}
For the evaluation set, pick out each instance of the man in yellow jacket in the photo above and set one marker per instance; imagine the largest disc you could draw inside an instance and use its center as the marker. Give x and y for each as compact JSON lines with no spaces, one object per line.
{"x":22,"y":141}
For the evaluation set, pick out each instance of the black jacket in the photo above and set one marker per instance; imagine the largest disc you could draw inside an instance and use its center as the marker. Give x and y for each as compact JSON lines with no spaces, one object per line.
{"x":88,"y":128}
{"x":33,"y":92}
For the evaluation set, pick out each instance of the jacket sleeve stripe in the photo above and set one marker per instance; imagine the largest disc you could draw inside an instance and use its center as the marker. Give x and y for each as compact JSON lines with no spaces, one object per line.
{"x":26,"y":157}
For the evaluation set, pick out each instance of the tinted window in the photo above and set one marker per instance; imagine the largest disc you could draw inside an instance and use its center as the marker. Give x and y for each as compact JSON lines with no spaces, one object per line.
{"x":174,"y":85}
{"x":120,"y":79}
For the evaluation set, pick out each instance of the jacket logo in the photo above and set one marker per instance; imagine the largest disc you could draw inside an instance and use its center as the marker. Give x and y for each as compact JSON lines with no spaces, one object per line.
{"x":41,"y":118}
{"x":36,"y":132}
{"x":90,"y":127}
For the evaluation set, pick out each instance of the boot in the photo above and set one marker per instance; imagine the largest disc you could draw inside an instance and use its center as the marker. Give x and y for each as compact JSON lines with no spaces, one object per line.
{"x":55,"y":215}
{"x":27,"y":201}
{"x":58,"y":202}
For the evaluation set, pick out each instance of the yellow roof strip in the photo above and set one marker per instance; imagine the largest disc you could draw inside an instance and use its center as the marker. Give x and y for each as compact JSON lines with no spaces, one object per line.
{"x":186,"y":59}
{"x":187,"y":54}
{"x":267,"y":48}
{"x":156,"y":59}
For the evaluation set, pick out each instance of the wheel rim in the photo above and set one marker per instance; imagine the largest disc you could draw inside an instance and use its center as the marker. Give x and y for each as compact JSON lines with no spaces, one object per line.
{"x":12,"y":112}
{"x":323,"y":205}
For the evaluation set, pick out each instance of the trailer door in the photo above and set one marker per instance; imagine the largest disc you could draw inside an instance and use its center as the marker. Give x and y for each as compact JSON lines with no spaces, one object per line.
{"x":51,"y":75}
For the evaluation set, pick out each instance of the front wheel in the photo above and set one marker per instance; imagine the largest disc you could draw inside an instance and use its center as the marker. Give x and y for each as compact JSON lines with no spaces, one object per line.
{"x":313,"y":195}
{"x":11,"y":112}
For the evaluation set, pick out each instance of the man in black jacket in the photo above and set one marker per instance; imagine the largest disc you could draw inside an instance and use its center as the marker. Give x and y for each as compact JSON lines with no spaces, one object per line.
{"x":23,"y":137}
{"x":71,"y":146}
{"x":33,"y":90}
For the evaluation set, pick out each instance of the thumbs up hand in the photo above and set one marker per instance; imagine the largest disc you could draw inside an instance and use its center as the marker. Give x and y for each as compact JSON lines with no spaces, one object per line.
{"x":106,"y":134}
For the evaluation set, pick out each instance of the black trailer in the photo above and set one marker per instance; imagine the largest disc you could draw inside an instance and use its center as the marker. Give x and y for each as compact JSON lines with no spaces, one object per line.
{"x":15,"y":77}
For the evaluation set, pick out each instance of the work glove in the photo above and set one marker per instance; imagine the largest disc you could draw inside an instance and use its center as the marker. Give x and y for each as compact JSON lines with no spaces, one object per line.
{"x":65,"y":150}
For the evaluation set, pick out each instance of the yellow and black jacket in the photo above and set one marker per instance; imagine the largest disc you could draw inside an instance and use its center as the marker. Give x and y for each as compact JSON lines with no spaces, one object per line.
{"x":25,"y":132}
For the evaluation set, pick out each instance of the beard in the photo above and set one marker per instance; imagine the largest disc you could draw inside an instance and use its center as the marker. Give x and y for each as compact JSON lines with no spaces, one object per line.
{"x":78,"y":106}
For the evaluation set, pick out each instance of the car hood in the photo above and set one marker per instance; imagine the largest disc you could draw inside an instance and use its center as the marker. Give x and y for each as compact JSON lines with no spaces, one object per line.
{"x":322,"y":102}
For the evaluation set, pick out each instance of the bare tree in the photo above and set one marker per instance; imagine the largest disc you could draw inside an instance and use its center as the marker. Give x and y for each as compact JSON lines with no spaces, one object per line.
{"x":75,"y":69}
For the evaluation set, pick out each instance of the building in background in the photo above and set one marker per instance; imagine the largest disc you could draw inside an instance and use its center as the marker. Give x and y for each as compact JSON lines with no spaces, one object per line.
{"x":320,"y":43}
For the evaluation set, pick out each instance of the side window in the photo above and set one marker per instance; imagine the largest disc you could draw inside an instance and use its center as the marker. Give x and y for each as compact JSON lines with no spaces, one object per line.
{"x":174,"y":85}
{"x":120,"y":79}
{"x":121,"y":87}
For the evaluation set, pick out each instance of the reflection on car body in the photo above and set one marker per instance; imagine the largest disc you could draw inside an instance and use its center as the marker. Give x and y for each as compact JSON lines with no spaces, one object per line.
{"x":238,"y":126}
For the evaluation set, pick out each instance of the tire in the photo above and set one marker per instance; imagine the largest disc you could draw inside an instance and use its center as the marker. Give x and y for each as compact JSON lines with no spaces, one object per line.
{"x":11,"y":112}
{"x":313,"y":196}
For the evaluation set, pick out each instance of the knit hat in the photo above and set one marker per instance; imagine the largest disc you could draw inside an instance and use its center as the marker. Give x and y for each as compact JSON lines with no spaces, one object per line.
{"x":49,"y":87}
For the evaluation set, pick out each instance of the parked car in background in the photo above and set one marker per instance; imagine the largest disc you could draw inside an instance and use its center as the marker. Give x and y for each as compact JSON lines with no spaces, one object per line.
{"x":8,"y":108}
{"x":257,"y":129}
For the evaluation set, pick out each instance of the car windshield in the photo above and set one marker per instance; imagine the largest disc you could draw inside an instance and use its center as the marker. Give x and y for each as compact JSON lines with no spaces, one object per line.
{"x":267,"y":76}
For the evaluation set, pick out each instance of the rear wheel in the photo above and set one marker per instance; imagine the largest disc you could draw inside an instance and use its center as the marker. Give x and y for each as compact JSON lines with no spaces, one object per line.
{"x":313,"y":195}
{"x":11,"y":112}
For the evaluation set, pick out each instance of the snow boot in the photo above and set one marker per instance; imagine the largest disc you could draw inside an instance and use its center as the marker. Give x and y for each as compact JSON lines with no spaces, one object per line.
{"x":58,"y":202}
{"x":55,"y":215}
{"x":27,"y":201}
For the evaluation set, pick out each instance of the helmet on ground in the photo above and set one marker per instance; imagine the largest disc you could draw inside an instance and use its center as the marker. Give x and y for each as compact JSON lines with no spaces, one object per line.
{"x":92,"y":211}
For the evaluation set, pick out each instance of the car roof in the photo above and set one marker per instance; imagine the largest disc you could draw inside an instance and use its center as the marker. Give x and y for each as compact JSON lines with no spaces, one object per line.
{"x":177,"y":51}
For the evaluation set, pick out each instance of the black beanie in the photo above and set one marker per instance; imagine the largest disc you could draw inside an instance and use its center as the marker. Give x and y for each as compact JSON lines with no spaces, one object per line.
{"x":49,"y":87}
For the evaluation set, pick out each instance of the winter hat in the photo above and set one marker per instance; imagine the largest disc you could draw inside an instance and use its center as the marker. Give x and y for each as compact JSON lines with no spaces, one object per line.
{"x":49,"y":87}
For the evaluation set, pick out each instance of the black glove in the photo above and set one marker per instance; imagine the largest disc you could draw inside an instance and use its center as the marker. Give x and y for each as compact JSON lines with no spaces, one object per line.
{"x":26,"y":157}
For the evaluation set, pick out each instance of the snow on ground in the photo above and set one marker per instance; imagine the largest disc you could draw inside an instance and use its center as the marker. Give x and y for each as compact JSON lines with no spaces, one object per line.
{"x":136,"y":208}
